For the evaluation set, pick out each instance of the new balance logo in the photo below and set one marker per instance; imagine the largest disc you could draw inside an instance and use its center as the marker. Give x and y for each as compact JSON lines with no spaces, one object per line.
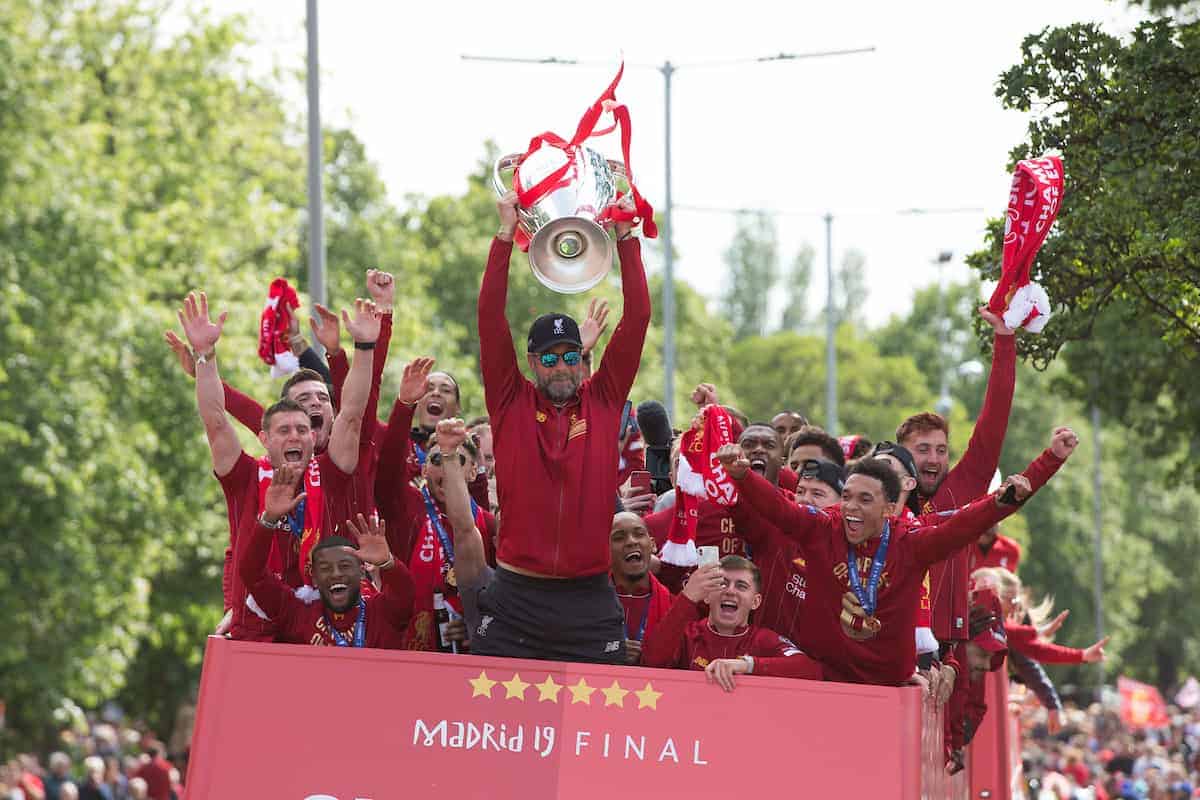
{"x":612,"y":647}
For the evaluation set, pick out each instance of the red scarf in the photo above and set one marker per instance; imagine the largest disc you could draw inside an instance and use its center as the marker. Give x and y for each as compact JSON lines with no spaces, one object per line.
{"x":607,"y":101}
{"x":1033,"y":204}
{"x":314,"y":512}
{"x":429,"y":569}
{"x":700,"y":477}
{"x":273,"y":345}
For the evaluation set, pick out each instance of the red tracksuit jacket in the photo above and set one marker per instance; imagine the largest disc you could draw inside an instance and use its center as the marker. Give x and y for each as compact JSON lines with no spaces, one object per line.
{"x":556,"y":468}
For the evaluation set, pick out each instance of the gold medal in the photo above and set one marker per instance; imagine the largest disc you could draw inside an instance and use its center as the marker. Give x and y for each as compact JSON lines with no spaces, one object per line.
{"x":451,"y":581}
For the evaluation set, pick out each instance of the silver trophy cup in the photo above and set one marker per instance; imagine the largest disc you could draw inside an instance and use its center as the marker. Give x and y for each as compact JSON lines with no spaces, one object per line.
{"x":569,"y":251}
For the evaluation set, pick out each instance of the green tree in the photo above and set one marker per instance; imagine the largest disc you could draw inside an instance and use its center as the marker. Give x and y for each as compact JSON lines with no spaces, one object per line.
{"x":1123,"y":264}
{"x":850,"y":288}
{"x":752,"y":260}
{"x":787,"y":370}
{"x":799,"y":278}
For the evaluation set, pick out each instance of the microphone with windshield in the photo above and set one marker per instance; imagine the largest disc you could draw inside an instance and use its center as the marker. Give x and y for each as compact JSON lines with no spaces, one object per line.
{"x":657,"y":435}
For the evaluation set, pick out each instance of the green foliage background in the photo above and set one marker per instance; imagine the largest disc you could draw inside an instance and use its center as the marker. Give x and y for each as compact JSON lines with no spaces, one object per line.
{"x":136,"y":164}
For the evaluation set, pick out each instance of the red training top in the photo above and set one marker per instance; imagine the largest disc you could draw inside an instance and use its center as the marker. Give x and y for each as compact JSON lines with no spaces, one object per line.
{"x":685,"y":640}
{"x":1004,"y":552}
{"x":651,"y":607}
{"x":1024,"y":639}
{"x":967,"y":480}
{"x":556,"y":468}
{"x":788,"y":479}
{"x":301,"y":623}
{"x":890,"y":656}
{"x":240,"y":485}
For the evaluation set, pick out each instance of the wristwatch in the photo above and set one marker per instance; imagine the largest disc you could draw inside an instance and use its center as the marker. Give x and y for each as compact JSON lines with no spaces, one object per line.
{"x":749,"y":662}
{"x":277,"y":525}
{"x":204,"y":358}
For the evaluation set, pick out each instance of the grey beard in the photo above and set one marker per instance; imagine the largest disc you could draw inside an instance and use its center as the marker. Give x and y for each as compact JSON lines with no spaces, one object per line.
{"x":559,"y":392}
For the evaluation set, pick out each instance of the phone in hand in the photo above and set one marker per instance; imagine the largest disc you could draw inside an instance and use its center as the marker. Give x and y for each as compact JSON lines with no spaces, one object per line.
{"x":709,"y":554}
{"x":639,"y":482}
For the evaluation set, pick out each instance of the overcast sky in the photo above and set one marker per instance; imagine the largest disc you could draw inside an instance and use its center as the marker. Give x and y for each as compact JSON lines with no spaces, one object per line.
{"x":914,"y":124}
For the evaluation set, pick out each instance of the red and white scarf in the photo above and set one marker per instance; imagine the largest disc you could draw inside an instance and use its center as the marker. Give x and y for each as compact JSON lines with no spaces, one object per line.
{"x":273,"y":345}
{"x":1033,"y":204}
{"x":700,"y":477}
{"x":314,"y":512}
{"x":428,"y":569}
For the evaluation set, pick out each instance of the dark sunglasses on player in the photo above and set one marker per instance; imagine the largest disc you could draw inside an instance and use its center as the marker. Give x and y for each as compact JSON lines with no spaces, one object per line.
{"x":436,"y":459}
{"x":571,"y":358}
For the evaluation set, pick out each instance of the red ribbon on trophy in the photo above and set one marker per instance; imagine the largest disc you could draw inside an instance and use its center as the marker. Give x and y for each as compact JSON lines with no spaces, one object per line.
{"x":606,"y":103}
{"x":1033,"y":204}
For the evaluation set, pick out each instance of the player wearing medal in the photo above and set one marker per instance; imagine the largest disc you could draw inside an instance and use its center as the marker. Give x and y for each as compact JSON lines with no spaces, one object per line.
{"x":556,"y":466}
{"x":860,"y":547}
{"x":343,"y":618}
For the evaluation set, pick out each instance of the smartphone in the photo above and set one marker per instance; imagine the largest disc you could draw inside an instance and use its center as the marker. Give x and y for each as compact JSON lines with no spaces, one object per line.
{"x":709,"y":554}
{"x":639,"y":482}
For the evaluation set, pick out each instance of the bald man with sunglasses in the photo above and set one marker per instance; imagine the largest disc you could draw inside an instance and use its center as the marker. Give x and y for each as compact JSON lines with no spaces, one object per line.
{"x":556,"y":467}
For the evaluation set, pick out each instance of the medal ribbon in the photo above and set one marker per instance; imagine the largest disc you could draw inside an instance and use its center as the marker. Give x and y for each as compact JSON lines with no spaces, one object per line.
{"x":645,"y":616}
{"x":360,"y":627}
{"x":435,"y":522}
{"x":868,"y":597}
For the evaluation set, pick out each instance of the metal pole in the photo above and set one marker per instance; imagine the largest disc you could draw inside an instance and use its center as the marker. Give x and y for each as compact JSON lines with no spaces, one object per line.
{"x":316,"y":219}
{"x":1098,"y":525}
{"x":831,"y":409}
{"x":944,"y":402}
{"x":668,"y":261}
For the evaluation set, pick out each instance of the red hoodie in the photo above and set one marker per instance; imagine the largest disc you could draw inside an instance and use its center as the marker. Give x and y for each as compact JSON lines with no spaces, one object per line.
{"x":889,"y":657}
{"x":967,"y":480}
{"x":1004,"y":552}
{"x":556,"y":468}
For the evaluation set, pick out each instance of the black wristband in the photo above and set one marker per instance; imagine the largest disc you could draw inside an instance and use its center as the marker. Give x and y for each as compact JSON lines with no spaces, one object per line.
{"x":364,"y":345}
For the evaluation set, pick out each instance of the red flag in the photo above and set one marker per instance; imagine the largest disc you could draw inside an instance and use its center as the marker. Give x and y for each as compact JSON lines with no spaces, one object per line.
{"x":1142,"y":706}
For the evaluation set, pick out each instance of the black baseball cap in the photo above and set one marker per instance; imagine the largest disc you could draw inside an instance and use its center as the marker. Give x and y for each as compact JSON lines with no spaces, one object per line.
{"x":551,"y":329}
{"x":899,"y":453}
{"x":825,"y":471}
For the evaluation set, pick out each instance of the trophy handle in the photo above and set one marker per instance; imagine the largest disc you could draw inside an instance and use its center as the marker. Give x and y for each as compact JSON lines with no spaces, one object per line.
{"x":618,"y":169}
{"x":504,"y":164}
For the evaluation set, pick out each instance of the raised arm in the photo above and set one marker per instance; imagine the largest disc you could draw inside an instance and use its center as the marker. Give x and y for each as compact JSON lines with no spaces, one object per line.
{"x":1035,"y":679}
{"x":203,"y":335}
{"x":328,"y":331}
{"x":396,"y":599}
{"x":382,"y":288}
{"x":798,"y":522}
{"x":347,"y":426}
{"x":470,"y":557}
{"x":964,"y":526}
{"x":497,"y":359}
{"x":272,"y":595}
{"x":664,"y":645}
{"x":975,"y":469}
{"x":623,"y":355}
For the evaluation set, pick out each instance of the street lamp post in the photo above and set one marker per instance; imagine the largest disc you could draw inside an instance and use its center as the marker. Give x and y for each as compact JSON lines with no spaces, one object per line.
{"x":316,"y":220}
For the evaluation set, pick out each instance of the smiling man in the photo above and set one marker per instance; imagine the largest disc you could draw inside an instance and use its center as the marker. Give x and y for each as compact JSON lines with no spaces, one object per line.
{"x":644,"y":599}
{"x":940,"y":488}
{"x":725,"y":643}
{"x":556,"y":466}
{"x":861,"y":547}
{"x":343,"y":618}
{"x":288,"y":436}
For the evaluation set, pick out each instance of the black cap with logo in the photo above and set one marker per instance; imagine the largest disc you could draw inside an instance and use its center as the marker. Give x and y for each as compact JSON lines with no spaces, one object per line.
{"x":551,"y":329}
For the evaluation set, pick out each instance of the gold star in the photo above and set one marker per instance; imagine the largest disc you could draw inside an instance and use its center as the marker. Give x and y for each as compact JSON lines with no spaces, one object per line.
{"x":515,"y":688}
{"x":648,"y":698}
{"x":581,"y":692}
{"x":548,"y":689}
{"x":615,"y":695}
{"x":483,"y":685}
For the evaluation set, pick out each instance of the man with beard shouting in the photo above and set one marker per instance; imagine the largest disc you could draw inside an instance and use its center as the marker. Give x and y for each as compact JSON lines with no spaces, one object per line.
{"x":556,"y":467}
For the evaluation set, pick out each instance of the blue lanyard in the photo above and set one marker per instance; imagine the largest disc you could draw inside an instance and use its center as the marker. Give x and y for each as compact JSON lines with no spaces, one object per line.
{"x":435,"y":519}
{"x":868,"y":598}
{"x":645,"y":614}
{"x":360,"y":627}
{"x":296,"y":519}
{"x":420,"y":453}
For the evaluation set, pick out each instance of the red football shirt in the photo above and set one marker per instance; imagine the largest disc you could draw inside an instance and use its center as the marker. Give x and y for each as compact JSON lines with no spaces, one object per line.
{"x":683,"y":639}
